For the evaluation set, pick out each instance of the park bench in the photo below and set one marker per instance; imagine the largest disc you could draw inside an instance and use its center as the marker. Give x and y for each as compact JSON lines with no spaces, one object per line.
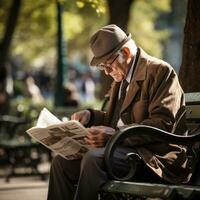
{"x":21,"y":155}
{"x":120,"y":188}
{"x":17,"y":150}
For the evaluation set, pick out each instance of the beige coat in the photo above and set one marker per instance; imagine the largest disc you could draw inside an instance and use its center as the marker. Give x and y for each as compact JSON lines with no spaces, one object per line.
{"x":154,"y":98}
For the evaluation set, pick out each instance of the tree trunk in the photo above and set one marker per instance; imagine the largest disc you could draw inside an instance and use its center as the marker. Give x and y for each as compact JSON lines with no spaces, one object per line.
{"x":7,"y":37}
{"x":190,"y":68}
{"x":119,"y":14}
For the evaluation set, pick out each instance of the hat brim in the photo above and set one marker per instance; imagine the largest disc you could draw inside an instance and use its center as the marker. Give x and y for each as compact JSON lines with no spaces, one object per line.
{"x":95,"y":61}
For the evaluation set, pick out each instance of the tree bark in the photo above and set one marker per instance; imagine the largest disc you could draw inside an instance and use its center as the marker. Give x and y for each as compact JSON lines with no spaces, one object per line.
{"x":189,"y":73}
{"x":119,"y":14}
{"x":7,"y":38}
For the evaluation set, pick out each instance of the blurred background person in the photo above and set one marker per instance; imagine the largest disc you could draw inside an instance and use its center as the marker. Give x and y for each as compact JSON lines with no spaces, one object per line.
{"x":86,"y":88}
{"x":71,"y":95}
{"x":34,"y":90}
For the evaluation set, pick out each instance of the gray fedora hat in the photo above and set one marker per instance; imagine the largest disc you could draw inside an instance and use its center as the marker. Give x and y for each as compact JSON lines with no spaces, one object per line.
{"x":107,"y":41}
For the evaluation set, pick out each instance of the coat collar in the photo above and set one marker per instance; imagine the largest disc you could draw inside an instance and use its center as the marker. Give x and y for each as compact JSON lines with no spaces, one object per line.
{"x":139,"y":75}
{"x":141,"y":67}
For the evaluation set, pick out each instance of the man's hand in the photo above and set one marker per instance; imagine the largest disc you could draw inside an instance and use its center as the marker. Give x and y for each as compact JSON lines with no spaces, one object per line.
{"x":98,"y":135}
{"x":82,"y":116}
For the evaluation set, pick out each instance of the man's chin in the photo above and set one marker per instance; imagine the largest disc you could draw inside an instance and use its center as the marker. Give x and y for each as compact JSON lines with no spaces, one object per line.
{"x":117,"y":79}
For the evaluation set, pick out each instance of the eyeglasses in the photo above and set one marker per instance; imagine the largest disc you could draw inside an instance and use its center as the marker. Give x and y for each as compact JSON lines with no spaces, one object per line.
{"x":103,"y":66}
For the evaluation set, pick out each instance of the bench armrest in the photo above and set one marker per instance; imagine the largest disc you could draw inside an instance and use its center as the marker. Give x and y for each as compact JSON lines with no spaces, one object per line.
{"x":143,"y":132}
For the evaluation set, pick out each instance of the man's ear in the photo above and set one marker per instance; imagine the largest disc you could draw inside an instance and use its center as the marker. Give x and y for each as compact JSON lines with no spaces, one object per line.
{"x":126,"y":52}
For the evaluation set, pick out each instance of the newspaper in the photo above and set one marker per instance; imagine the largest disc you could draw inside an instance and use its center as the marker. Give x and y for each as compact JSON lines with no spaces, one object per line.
{"x":64,"y":138}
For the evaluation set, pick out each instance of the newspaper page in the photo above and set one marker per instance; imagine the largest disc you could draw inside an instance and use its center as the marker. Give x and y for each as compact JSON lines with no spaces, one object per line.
{"x":64,"y":138}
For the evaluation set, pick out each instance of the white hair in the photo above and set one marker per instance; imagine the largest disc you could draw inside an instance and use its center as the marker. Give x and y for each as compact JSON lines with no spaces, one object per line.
{"x":132,"y":47}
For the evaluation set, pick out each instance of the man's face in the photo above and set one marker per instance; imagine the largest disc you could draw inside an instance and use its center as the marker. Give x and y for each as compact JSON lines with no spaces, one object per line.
{"x":116,"y":67}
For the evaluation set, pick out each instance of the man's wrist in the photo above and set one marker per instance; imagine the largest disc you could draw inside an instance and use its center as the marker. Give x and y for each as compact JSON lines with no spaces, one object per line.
{"x":91,"y":118}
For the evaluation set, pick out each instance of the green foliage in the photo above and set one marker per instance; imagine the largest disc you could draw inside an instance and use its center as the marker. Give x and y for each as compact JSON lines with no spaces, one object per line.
{"x":80,"y":22}
{"x":20,"y":88}
{"x":26,"y":108}
{"x":4,"y":6}
{"x":35,"y":36}
{"x":144,"y":15}
{"x":98,"y":5}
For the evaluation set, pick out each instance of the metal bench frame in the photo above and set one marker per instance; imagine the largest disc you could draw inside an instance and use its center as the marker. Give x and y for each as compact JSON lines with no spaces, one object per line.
{"x":122,"y":188}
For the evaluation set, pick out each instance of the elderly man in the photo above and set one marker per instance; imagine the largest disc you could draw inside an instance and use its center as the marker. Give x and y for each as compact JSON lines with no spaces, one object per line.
{"x":146,"y":91}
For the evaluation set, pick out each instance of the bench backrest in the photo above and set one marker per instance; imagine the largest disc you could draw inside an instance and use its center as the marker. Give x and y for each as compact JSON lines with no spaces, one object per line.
{"x":193,"y":121}
{"x":193,"y":107}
